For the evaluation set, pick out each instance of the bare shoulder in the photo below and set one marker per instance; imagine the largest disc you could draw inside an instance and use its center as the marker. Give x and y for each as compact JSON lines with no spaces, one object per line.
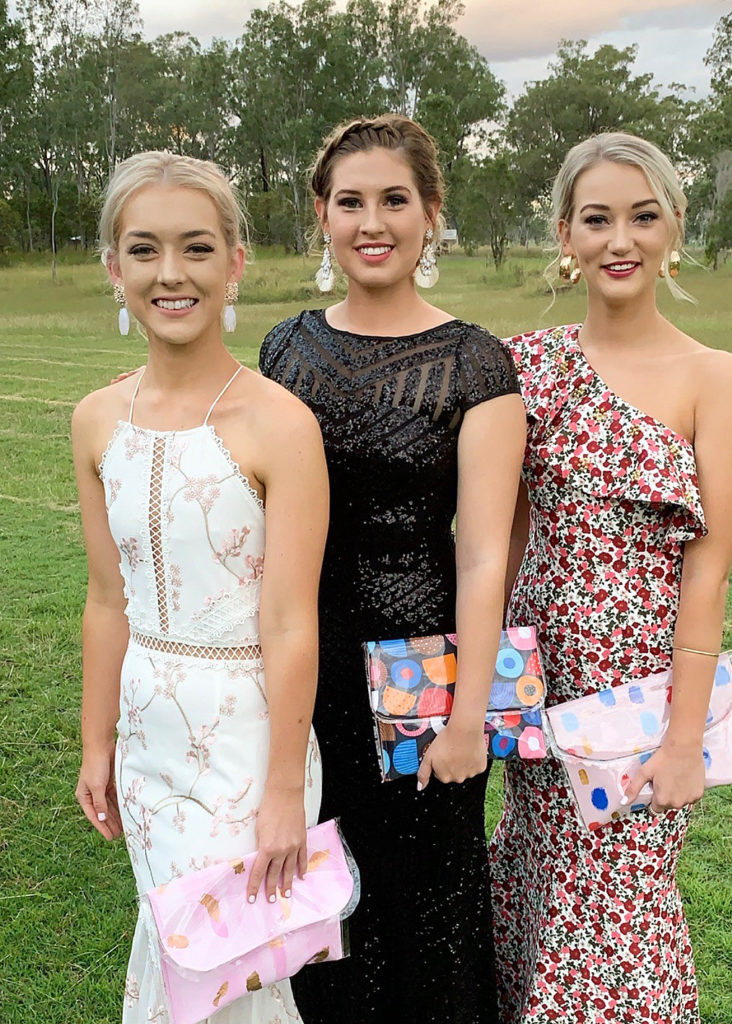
{"x":276,"y":412}
{"x":712,"y":370}
{"x":97,"y":414}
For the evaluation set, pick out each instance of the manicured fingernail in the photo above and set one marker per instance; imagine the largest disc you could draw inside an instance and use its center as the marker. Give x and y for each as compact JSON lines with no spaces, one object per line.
{"x":252,"y":899}
{"x":272,"y":898}
{"x":623,"y":801}
{"x":288,"y":893}
{"x":101,"y":816}
{"x":419,"y":787}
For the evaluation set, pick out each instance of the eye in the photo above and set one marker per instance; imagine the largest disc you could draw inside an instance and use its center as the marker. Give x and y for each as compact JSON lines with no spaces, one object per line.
{"x":349,"y":202}
{"x":141,"y":250}
{"x":596,"y":220}
{"x":396,"y":199}
{"x":200,"y":249}
{"x":647,"y":217}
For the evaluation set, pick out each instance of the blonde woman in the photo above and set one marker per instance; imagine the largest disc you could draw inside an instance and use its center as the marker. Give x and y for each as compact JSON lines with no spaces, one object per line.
{"x":200,"y":635}
{"x":625,"y":514}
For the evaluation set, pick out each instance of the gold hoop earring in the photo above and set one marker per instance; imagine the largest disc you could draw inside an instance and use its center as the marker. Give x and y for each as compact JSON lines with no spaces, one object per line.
{"x":568,"y":270}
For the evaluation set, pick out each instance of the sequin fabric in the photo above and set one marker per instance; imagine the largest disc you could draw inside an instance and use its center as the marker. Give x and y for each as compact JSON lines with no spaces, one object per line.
{"x":390,"y":411}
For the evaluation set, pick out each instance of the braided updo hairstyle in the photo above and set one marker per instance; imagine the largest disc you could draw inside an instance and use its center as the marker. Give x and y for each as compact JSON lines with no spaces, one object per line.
{"x":394,"y":132}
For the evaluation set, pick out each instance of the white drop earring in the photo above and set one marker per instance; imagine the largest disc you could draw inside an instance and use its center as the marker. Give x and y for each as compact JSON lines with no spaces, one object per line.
{"x":325,"y":278}
{"x":427,"y":273}
{"x":231,"y":295}
{"x":123,"y":320}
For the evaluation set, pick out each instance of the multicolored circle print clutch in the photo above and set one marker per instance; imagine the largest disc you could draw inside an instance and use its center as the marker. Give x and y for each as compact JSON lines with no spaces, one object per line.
{"x":412,"y":684}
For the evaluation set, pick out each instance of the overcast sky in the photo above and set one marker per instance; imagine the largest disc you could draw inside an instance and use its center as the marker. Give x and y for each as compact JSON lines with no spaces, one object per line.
{"x":519,"y":36}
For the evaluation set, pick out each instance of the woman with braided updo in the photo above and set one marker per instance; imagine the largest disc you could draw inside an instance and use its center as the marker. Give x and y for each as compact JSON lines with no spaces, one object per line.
{"x":421,"y":419}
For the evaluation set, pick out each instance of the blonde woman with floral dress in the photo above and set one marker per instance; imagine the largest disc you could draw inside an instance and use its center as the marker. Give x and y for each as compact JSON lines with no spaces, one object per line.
{"x":200,"y":626}
{"x":624,"y":515}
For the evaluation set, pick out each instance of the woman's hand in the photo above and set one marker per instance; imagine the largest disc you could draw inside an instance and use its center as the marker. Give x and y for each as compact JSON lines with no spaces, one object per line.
{"x":97,"y":793}
{"x":281,"y":842}
{"x":125,"y":374}
{"x":676,"y":773}
{"x":456,"y":754}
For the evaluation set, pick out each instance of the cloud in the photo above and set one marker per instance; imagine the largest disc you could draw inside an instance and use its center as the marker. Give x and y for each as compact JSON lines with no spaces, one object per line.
{"x":513,"y":29}
{"x":220,"y":18}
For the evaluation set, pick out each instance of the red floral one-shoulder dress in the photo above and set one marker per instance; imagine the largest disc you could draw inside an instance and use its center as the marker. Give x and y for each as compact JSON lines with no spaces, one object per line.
{"x":589,"y":926}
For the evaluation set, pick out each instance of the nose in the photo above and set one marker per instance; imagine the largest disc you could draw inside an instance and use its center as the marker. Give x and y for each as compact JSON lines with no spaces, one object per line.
{"x":372,"y":223}
{"x":620,"y":241}
{"x":170,"y":267}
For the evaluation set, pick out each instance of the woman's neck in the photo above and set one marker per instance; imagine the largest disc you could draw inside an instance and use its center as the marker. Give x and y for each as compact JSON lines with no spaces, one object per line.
{"x":628,"y":325}
{"x":396,"y":310}
{"x":196,"y":366}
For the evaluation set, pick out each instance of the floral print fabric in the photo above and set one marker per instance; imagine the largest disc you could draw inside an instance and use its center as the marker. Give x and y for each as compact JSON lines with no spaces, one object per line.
{"x":193,"y":731}
{"x":590,"y":926}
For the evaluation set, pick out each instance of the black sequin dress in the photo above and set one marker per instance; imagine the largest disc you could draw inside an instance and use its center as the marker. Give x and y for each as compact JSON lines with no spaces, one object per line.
{"x":390,"y":411}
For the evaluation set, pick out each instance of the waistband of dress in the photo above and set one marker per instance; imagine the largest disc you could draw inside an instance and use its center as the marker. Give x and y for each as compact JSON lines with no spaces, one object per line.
{"x":241,"y":652}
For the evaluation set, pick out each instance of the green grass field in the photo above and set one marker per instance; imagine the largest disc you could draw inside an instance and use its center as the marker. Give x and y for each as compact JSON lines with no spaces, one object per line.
{"x":67,"y":907}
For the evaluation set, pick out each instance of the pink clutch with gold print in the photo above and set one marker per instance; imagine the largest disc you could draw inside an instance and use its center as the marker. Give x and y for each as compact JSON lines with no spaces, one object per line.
{"x":214,"y":946}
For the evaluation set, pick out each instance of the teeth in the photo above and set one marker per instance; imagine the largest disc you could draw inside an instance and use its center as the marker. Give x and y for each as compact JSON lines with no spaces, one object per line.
{"x":375,"y":250}
{"x":621,"y":266}
{"x":176,"y":304}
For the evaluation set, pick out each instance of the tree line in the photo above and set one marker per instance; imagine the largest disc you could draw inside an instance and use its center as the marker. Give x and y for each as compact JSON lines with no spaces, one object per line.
{"x":81,"y":89}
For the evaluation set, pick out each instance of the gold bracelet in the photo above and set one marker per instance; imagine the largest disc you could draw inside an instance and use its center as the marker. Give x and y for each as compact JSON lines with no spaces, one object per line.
{"x":690,"y":650}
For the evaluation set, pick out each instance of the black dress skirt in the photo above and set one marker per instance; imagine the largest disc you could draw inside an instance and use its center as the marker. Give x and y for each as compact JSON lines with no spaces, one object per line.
{"x":390,"y":411}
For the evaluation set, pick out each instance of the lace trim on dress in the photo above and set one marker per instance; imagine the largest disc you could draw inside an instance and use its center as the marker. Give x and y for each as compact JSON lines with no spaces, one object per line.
{"x":235,"y":466}
{"x":155,"y":519}
{"x":242,"y":652}
{"x":225,"y":612}
{"x":121,"y":424}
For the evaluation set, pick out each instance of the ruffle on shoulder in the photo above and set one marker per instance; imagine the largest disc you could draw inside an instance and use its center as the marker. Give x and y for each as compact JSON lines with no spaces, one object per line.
{"x":582,"y":432}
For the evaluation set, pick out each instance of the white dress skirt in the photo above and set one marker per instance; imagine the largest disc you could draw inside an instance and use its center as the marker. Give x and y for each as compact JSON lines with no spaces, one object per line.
{"x":193,"y":731}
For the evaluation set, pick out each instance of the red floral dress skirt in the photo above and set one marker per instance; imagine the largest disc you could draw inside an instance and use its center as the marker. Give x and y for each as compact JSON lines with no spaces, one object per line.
{"x":589,"y":926}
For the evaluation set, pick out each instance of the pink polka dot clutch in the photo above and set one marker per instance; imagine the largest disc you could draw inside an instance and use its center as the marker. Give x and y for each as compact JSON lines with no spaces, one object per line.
{"x":603,"y":739}
{"x":411,"y":687}
{"x":214,"y":946}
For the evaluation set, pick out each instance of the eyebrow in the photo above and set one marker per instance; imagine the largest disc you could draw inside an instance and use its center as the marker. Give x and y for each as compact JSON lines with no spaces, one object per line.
{"x":635,"y":206}
{"x":186,"y":234}
{"x":389,"y":188}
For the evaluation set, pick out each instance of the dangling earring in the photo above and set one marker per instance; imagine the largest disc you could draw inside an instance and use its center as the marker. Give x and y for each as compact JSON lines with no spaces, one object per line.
{"x":567,"y":272}
{"x":427,"y":273}
{"x":674,"y":263}
{"x":124,"y":314}
{"x":325,"y":278}
{"x":231,"y":295}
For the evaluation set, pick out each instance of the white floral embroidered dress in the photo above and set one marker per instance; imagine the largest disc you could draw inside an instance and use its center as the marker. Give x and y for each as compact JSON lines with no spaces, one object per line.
{"x":193,"y":732}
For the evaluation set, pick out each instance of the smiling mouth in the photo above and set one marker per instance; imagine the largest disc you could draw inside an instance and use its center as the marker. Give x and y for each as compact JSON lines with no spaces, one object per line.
{"x":174,"y":304}
{"x":374,"y":250}
{"x":621,"y":268}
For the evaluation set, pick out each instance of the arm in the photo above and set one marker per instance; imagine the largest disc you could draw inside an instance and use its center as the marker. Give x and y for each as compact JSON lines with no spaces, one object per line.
{"x":517,"y":544}
{"x":677,"y":768}
{"x":490,"y":450}
{"x":104,"y":637}
{"x":294,"y":473}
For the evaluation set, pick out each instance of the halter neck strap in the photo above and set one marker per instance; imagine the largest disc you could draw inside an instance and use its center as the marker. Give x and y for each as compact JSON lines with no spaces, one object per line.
{"x":223,"y":391}
{"x":134,"y":395}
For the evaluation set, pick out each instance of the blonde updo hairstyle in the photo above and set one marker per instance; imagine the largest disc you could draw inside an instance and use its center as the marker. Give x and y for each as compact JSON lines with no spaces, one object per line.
{"x":394,"y":132}
{"x":622,"y":148}
{"x":162,"y":168}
